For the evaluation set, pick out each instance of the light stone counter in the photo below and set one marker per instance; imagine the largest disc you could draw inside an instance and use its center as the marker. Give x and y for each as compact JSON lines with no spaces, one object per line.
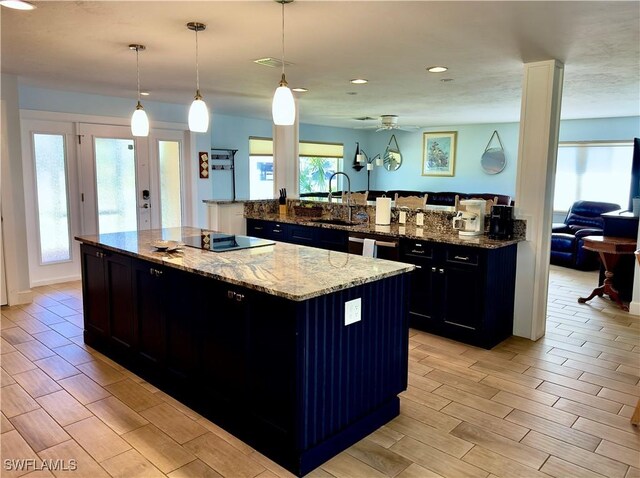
{"x":286,"y":270}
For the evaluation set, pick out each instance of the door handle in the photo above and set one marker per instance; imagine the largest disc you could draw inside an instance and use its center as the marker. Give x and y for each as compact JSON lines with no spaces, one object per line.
{"x":433,"y":269}
{"x":441,"y":271}
{"x":145,"y":206}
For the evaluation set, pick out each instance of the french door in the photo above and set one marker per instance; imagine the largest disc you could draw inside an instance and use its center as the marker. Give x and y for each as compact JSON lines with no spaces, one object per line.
{"x":83,"y":179}
{"x":129,"y":183}
{"x":115,"y":180}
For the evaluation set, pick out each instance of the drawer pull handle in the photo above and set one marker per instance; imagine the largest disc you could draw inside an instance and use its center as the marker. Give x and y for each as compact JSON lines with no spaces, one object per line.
{"x":462,"y":258}
{"x":418,"y":267}
{"x":417,"y":244}
{"x":277,"y":230}
{"x":413,"y":251}
{"x":258,"y":228}
{"x":441,"y":271}
{"x":433,"y":269}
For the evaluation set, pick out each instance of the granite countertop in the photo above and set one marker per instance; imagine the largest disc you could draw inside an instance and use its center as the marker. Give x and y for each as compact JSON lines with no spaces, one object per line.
{"x":224,"y":201}
{"x":286,"y":270}
{"x":396,"y":230}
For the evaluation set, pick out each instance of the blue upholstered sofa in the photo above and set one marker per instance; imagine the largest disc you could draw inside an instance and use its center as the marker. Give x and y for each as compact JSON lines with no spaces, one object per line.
{"x":583,"y":219}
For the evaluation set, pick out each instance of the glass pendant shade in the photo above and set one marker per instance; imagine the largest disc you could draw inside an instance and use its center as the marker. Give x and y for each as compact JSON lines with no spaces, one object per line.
{"x":198,"y":116}
{"x":17,"y":4}
{"x":284,"y":107}
{"x":139,"y":122}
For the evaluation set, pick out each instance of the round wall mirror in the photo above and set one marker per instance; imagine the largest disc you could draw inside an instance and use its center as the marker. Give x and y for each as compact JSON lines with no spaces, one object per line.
{"x":392,"y":157}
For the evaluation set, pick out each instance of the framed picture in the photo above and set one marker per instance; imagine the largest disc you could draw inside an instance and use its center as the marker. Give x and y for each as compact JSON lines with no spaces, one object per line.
{"x":439,"y":153}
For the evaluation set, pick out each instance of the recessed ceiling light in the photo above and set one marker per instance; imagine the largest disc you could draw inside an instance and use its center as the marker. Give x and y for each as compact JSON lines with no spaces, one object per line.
{"x":359,"y":81}
{"x":145,"y":93}
{"x":446,"y":80}
{"x":17,"y":4}
{"x":299,"y":90}
{"x":436,"y":69}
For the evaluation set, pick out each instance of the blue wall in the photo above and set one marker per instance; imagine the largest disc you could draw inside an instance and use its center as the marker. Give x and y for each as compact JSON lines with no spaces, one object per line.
{"x":234,"y":132}
{"x":43,"y":99}
{"x":472,"y":141}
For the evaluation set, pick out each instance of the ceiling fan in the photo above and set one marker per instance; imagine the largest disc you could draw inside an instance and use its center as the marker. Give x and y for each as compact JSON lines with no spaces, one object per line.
{"x":389,"y":122}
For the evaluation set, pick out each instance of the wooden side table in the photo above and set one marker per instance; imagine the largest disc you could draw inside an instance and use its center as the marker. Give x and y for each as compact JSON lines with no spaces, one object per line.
{"x":610,"y":249}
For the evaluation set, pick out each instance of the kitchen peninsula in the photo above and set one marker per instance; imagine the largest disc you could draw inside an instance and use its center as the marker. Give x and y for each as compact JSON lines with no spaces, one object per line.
{"x":259,"y":340}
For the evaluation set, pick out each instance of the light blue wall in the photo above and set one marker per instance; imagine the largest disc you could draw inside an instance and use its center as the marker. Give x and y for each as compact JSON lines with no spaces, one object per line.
{"x":43,"y":99}
{"x":472,"y":140}
{"x":600,"y":129}
{"x":469,"y":177}
{"x":233,"y":132}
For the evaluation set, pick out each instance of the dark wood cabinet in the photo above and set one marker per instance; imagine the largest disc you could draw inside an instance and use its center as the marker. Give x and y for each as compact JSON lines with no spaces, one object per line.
{"x":149,"y":299}
{"x":323,"y":238}
{"x":108,"y":312}
{"x":289,"y":378}
{"x":464,"y":293}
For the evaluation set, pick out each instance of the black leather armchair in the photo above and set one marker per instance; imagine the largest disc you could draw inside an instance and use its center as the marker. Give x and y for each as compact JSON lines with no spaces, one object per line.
{"x":583,"y":219}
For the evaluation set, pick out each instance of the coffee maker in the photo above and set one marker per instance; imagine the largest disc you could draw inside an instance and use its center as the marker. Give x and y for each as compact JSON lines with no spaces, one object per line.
{"x":501,"y":222}
{"x":469,"y":220}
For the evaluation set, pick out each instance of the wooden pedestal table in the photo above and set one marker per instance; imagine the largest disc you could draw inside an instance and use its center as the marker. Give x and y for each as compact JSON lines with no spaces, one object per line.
{"x":610,"y":249}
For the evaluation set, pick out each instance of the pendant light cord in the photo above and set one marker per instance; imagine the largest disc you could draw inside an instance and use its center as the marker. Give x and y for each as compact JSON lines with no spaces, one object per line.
{"x":197,"y":68}
{"x":138,"y":70}
{"x":283,"y":39}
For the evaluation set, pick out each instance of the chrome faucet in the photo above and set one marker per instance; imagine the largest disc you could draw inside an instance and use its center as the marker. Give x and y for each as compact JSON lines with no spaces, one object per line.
{"x":348,"y":190}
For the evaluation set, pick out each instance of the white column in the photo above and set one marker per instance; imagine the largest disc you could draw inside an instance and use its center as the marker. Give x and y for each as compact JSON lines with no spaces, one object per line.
{"x":634,"y":306}
{"x":537,"y":148}
{"x":285,"y":159}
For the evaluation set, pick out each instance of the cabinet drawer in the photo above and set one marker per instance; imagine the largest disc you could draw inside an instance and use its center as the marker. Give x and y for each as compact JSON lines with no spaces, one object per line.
{"x":416,"y":249}
{"x":302,"y":235}
{"x":462,"y":256}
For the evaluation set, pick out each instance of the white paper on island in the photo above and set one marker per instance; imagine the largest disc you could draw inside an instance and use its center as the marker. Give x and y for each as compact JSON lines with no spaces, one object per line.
{"x":383,"y":211}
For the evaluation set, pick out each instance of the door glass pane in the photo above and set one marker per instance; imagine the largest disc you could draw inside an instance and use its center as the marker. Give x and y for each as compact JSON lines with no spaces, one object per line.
{"x":170,"y":202}
{"x":116,"y":185}
{"x":53,"y":208}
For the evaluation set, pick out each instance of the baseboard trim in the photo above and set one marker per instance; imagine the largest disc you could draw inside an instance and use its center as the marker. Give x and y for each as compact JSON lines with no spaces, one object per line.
{"x":634,"y":308}
{"x":56,"y":280}
{"x":24,"y":297}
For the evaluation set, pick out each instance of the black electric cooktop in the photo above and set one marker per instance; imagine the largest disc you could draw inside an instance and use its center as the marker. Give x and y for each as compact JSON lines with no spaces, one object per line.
{"x":220,"y":242}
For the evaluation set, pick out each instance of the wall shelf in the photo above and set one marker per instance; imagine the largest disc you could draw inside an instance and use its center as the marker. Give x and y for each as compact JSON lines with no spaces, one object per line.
{"x":227,"y":156}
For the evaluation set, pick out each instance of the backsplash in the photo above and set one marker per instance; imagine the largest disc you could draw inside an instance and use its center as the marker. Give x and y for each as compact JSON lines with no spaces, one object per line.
{"x":434,"y":220}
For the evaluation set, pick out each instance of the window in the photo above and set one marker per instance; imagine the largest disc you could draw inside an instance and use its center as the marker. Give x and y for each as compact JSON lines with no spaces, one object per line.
{"x":318,"y":161}
{"x":592,"y":171}
{"x":53,"y":207}
{"x":170,"y":197}
{"x":260,"y":168}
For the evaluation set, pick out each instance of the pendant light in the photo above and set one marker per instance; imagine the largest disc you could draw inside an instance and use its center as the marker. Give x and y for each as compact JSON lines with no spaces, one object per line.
{"x":283,"y":107}
{"x":139,"y":120}
{"x":198,"y":113}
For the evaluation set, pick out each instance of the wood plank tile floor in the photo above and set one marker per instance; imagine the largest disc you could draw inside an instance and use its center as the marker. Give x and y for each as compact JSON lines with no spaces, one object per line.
{"x":556,"y":407}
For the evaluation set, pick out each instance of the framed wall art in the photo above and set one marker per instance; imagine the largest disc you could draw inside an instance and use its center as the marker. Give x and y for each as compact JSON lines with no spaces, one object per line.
{"x":439,"y":153}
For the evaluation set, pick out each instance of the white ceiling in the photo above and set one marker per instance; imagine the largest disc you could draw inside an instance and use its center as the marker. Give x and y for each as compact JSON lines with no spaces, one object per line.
{"x":83,"y":46}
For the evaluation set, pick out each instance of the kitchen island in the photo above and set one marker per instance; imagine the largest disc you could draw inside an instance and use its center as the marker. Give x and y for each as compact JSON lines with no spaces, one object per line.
{"x":258,"y":340}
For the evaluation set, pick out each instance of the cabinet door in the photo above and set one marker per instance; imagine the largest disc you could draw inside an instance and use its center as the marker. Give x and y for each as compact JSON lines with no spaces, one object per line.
{"x":120,"y":307}
{"x":423,"y":294}
{"x":94,"y":294}
{"x":462,"y":287}
{"x":149,"y":299}
{"x":224,"y":339}
{"x":182,"y":334}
